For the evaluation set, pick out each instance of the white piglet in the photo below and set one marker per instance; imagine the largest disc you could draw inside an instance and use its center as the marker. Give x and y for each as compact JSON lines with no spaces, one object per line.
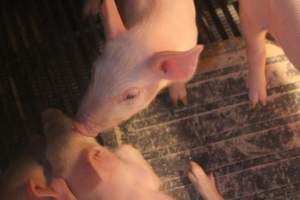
{"x":150,"y":45}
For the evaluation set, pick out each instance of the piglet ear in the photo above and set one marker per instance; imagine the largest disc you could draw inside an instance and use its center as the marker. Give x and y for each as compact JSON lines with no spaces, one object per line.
{"x":60,"y":186}
{"x":176,"y":66}
{"x":37,"y":191}
{"x":96,"y":161}
{"x":112,"y":20}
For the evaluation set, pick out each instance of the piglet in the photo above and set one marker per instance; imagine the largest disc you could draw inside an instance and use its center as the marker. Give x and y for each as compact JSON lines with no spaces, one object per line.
{"x":25,"y":179}
{"x":92,"y":171}
{"x":282,"y":19}
{"x":150,"y":45}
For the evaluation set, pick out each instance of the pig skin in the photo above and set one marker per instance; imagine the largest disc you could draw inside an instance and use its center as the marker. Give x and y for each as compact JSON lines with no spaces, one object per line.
{"x":94,"y":172}
{"x":282,"y":20}
{"x":147,"y":49}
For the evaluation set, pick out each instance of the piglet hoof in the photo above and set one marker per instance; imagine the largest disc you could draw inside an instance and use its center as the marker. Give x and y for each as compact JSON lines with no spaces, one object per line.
{"x":177,"y":92}
{"x":257,"y":85}
{"x":204,"y":184}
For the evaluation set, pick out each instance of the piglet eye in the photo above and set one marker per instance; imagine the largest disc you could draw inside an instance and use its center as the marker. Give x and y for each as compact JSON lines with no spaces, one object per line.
{"x":131,"y":94}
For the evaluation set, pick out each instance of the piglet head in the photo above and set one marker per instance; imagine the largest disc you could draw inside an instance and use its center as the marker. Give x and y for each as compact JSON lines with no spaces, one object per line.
{"x":93,"y":171}
{"x":25,"y":180}
{"x":114,"y":176}
{"x":103,"y":176}
{"x":128,"y":74}
{"x":124,"y":84}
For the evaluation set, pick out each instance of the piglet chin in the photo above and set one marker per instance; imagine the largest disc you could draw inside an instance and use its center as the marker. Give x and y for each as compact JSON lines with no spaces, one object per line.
{"x":86,"y":128}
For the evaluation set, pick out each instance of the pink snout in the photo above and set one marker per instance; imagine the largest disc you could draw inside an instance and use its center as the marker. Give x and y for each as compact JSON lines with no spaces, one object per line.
{"x":86,"y":127}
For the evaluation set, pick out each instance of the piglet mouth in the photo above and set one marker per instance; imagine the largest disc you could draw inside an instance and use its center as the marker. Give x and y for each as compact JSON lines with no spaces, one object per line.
{"x":86,"y":127}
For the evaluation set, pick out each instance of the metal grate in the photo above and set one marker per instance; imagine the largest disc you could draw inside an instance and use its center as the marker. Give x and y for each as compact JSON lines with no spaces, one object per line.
{"x":217,"y":20}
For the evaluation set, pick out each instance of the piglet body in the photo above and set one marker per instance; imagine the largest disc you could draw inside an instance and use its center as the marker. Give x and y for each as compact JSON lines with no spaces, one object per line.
{"x":282,"y":20}
{"x":93,"y":172}
{"x":150,"y":44}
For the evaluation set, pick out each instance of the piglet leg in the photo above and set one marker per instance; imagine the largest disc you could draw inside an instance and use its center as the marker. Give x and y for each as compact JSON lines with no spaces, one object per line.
{"x":254,"y":27}
{"x":92,"y":7}
{"x":205,"y":185}
{"x":256,"y":81}
{"x":177,"y":92}
{"x":113,"y":24}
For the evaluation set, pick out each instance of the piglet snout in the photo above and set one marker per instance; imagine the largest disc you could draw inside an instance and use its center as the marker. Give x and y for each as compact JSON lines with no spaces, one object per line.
{"x":86,"y":127}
